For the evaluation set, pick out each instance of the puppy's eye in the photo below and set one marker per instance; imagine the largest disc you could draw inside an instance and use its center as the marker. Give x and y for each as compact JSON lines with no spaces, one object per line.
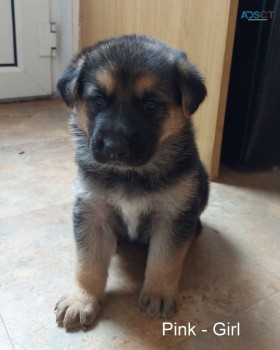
{"x":150,"y":105}
{"x":99,"y":100}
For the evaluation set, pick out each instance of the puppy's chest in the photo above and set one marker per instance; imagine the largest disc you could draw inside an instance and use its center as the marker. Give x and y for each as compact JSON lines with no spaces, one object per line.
{"x":135,"y":214}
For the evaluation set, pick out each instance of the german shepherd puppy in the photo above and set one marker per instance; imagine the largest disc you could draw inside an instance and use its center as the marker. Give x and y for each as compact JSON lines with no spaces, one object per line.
{"x":140,"y":175}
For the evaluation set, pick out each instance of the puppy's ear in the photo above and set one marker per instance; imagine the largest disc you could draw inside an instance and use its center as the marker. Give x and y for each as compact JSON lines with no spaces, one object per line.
{"x":192,"y":85}
{"x":69,"y":85}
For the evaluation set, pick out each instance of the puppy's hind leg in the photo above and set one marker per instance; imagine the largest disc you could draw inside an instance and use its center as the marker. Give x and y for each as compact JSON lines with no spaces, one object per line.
{"x":95,"y":244}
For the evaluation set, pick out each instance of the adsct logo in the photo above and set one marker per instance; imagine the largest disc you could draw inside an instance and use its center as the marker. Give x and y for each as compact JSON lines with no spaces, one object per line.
{"x":257,"y":15}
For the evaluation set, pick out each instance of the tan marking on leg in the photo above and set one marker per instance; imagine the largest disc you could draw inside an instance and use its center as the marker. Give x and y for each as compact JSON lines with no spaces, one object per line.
{"x":163,"y":271}
{"x":100,"y":243}
{"x":81,"y":118}
{"x":80,"y":306}
{"x":164,"y":265}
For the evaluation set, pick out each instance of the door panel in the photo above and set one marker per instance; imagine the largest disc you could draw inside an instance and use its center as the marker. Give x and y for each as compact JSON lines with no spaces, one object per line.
{"x":7,"y":54}
{"x":31,"y":73}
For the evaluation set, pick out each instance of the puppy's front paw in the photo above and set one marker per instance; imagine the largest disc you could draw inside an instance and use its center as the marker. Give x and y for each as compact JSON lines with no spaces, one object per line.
{"x":157,"y":305}
{"x":78,"y":309}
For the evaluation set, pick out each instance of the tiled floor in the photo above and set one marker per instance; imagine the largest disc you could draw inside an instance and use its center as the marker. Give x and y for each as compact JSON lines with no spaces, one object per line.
{"x":232,"y":273}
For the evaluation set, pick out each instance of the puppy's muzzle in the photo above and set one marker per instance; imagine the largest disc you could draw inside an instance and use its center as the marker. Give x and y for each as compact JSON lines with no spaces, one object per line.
{"x":121,"y":148}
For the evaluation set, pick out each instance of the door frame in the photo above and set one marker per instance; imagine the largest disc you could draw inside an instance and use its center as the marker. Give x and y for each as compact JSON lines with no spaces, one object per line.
{"x":66,"y":15}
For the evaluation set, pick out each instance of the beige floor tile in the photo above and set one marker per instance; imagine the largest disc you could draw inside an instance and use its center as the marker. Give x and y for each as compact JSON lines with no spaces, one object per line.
{"x":248,"y":216}
{"x":40,"y":177}
{"x":34,"y":121}
{"x":5,"y":341}
{"x":259,"y":330}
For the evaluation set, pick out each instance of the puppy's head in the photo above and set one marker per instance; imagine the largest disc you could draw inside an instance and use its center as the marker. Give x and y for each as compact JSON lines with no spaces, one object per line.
{"x":131,"y":94}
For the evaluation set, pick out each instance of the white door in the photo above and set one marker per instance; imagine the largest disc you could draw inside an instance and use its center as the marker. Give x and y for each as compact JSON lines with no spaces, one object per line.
{"x":26,"y":47}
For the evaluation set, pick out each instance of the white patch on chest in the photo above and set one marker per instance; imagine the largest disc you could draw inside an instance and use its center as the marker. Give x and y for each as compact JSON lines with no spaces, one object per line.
{"x":131,"y":214}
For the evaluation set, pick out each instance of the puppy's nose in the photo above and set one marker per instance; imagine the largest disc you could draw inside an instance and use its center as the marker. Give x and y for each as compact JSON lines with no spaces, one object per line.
{"x":116,"y":149}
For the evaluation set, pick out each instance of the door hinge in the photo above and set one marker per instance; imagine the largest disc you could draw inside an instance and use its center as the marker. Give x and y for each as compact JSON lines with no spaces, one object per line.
{"x":47,"y":39}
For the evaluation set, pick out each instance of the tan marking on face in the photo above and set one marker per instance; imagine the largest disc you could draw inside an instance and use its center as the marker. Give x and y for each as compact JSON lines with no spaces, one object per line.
{"x":80,"y":117}
{"x":173,"y":123}
{"x":106,"y":80}
{"x":144,"y":83}
{"x":186,"y":103}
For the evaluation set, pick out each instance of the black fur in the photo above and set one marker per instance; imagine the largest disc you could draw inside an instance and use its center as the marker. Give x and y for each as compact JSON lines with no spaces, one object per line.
{"x":135,"y":173}
{"x":129,"y":57}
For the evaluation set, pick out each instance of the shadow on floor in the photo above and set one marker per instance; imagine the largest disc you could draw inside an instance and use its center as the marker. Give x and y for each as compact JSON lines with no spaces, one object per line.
{"x":265,"y":181}
{"x":215,"y":284}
